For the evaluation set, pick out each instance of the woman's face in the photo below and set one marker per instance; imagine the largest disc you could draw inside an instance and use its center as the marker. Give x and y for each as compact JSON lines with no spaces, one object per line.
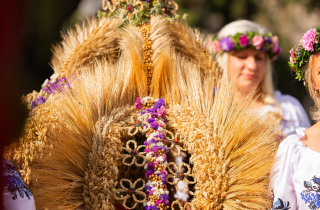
{"x":316,"y":71}
{"x":247,"y":67}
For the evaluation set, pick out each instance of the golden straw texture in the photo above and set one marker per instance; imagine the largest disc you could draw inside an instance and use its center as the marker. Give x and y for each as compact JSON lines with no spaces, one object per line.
{"x":78,"y":134}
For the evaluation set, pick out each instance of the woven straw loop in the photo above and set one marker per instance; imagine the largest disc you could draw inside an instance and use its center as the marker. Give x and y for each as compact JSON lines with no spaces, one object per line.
{"x":131,"y":192}
{"x":132,"y":155}
{"x":176,"y":176}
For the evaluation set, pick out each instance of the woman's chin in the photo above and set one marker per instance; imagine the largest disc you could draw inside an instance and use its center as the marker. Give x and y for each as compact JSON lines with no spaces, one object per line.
{"x":247,"y":87}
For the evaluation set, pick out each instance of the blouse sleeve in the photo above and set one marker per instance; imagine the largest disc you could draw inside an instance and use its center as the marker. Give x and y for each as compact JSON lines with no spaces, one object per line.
{"x":287,"y":160}
{"x":15,"y":193}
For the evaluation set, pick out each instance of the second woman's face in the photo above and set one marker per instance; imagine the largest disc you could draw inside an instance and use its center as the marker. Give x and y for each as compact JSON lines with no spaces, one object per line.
{"x":247,"y":67}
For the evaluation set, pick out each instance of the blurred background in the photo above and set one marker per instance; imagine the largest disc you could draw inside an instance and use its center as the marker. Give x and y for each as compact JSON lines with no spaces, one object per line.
{"x":31,"y":27}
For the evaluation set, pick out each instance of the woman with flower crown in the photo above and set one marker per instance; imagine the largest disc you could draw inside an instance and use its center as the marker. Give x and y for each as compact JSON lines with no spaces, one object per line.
{"x":296,"y":174}
{"x":245,"y":51}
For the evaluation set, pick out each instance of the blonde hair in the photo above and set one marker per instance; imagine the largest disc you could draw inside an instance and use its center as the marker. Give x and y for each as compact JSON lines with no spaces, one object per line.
{"x":244,"y":26}
{"x":307,"y":69}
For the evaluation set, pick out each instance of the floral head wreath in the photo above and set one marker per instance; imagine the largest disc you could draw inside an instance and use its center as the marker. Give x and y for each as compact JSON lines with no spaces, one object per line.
{"x":264,"y":42}
{"x":299,"y":54}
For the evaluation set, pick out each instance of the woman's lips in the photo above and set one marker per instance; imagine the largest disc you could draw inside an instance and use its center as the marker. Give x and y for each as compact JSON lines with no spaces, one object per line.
{"x":249,"y":76}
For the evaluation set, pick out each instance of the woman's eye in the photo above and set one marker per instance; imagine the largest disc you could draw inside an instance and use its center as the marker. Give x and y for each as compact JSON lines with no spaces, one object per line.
{"x":259,"y":58}
{"x":241,"y":56}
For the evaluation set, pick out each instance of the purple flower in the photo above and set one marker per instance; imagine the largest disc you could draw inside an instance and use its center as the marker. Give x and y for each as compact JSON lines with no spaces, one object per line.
{"x":298,"y":48}
{"x":164,"y":197}
{"x":153,"y":123}
{"x":267,"y":39}
{"x":150,"y":110}
{"x":148,"y":173}
{"x":142,"y":113}
{"x":150,"y":166}
{"x":160,"y":102}
{"x":226,"y":44}
{"x":41,"y":100}
{"x":152,"y":141}
{"x":243,"y":40}
{"x":147,"y":188}
{"x":163,"y":177}
{"x":151,"y":208}
{"x":34,"y":104}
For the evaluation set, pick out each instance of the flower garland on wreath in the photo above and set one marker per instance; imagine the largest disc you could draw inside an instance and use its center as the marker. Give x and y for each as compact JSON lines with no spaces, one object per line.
{"x":49,"y":87}
{"x":299,"y":54}
{"x":264,"y":42}
{"x":156,"y":150}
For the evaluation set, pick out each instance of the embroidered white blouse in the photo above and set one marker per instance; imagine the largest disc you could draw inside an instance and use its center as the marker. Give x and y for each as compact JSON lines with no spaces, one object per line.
{"x":293,"y":114}
{"x":15,"y":193}
{"x":296,"y":175}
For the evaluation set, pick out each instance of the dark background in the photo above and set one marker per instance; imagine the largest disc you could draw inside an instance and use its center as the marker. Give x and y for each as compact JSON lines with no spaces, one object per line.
{"x":29,"y":28}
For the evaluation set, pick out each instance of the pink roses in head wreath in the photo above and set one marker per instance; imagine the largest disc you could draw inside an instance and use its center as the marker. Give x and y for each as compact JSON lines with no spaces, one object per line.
{"x":299,"y":54}
{"x":265,"y":42}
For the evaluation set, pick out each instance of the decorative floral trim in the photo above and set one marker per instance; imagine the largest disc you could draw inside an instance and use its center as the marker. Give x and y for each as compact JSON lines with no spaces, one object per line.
{"x":299,"y":54}
{"x":280,"y":204}
{"x":311,"y":195}
{"x":50,"y":87}
{"x":14,"y":183}
{"x":156,"y":150}
{"x":264,"y":42}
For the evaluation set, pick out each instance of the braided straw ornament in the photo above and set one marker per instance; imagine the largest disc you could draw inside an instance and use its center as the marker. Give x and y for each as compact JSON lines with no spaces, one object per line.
{"x":138,"y":125}
{"x":178,"y":175}
{"x":230,"y":162}
{"x":134,"y":154}
{"x":182,"y":207}
{"x":174,"y":141}
{"x":131,"y":192}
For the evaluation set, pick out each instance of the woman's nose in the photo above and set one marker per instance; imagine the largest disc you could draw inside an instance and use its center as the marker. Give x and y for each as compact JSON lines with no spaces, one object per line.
{"x":251,"y":63}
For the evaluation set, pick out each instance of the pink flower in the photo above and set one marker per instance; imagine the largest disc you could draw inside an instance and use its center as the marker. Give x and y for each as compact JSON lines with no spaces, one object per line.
{"x":161,"y":111}
{"x":257,"y":42}
{"x":293,"y":69}
{"x":243,"y":40}
{"x":308,"y":39}
{"x":216,"y":46}
{"x":138,"y":103}
{"x":275,"y":46}
{"x":292,"y":56}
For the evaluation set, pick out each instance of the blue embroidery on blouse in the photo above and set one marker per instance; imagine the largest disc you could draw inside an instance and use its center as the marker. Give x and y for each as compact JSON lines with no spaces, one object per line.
{"x":279,"y":204}
{"x":14,"y":183}
{"x":311,"y":195}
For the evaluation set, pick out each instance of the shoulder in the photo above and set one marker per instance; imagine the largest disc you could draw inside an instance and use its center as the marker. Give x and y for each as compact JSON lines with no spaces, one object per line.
{"x":284,"y":99}
{"x":292,"y":142}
